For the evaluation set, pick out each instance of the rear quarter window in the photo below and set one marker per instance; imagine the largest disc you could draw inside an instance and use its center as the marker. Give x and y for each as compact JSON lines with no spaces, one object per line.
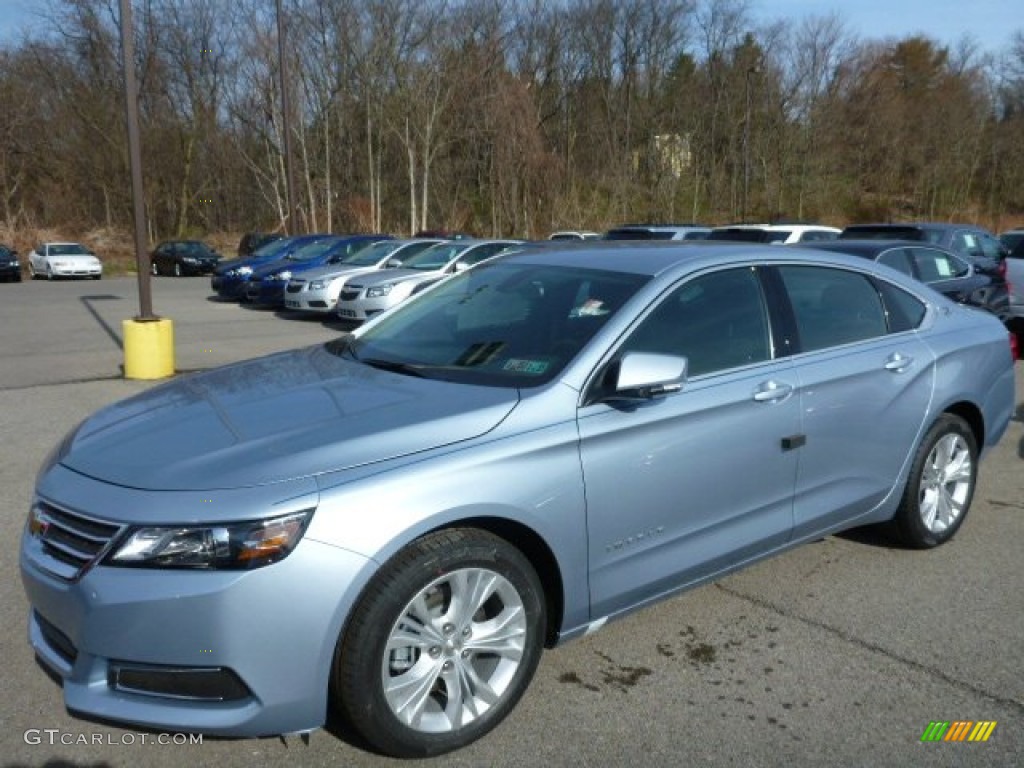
{"x":904,"y":311}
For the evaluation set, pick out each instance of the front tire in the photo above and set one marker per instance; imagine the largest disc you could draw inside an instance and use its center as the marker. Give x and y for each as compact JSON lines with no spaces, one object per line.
{"x":441,"y":645}
{"x":940,"y":486}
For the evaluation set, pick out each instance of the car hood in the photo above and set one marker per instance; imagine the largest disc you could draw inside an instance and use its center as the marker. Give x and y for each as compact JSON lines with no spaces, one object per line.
{"x":379,"y":277}
{"x":335,"y":270}
{"x":295,"y":267}
{"x":250,"y":261}
{"x":291,"y":415}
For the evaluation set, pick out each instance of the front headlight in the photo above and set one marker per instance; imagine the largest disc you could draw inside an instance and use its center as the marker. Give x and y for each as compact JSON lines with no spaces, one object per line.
{"x":379,"y":290}
{"x":190,"y":259}
{"x":318,"y":285}
{"x":286,"y":275}
{"x":231,"y":546}
{"x":243,"y":271}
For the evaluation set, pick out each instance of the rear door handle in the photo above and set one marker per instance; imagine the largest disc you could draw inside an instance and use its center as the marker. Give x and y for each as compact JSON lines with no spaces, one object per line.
{"x":772,"y":391}
{"x":897,"y":362}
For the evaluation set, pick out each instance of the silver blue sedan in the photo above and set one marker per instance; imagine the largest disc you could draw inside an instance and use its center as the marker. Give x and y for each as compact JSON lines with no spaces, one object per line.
{"x":396,"y":523}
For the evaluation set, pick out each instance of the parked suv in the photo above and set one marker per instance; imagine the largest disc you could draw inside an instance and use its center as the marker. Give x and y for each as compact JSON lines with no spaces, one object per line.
{"x":1013,"y":241}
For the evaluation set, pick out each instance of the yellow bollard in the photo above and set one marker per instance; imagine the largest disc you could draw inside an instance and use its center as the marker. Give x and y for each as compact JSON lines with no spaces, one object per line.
{"x":148,"y":348}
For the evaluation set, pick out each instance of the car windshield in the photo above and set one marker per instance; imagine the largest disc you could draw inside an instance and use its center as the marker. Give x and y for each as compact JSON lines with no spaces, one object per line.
{"x":273,"y":248}
{"x":437,"y":257}
{"x":374,"y":254}
{"x":504,"y":324}
{"x":68,"y":249}
{"x":882,"y":232}
{"x":739,"y":235}
{"x":313,"y":250}
{"x":629,"y":233}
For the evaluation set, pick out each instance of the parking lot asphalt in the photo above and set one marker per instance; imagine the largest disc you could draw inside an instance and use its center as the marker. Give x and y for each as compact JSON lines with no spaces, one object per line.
{"x":839,"y":653}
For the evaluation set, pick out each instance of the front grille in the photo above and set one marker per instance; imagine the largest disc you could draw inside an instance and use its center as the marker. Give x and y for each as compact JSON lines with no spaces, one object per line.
{"x":69,"y":542}
{"x":294,"y":287}
{"x":57,"y":640}
{"x":349,"y":295}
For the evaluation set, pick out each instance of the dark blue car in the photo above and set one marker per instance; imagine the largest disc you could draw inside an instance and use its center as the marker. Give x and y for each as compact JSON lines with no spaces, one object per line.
{"x":229,"y":277}
{"x":265,"y":286}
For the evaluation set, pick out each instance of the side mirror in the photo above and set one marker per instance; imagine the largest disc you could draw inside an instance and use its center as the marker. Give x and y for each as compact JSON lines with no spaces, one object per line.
{"x":644,"y":376}
{"x":393,"y":263}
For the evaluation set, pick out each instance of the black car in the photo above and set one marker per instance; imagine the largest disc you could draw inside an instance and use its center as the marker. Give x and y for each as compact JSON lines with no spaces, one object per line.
{"x":976,"y":244}
{"x":183,"y":257}
{"x":10,"y":267}
{"x":253,"y":240}
{"x":939,"y":268}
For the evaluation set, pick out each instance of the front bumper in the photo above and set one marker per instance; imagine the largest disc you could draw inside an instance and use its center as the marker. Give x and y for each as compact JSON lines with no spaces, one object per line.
{"x":198,"y":268}
{"x":270,"y":294}
{"x":228,"y":287}
{"x":298,"y":297}
{"x":274,"y":629}
{"x":59,"y":271}
{"x":362,"y":309}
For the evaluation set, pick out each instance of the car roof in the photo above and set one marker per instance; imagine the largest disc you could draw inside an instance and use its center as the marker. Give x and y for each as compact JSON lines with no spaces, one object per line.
{"x":943,"y":226}
{"x":868,"y":248}
{"x":655,"y":258}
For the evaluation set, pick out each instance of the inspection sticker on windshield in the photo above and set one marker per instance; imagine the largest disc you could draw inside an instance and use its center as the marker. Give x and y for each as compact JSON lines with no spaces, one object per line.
{"x":533,"y":367}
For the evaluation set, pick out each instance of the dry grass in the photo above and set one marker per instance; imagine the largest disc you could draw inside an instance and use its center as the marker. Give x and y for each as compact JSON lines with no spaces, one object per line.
{"x":115,"y":247}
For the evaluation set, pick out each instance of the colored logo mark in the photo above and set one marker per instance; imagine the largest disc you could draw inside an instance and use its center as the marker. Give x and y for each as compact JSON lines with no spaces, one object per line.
{"x":958,"y":730}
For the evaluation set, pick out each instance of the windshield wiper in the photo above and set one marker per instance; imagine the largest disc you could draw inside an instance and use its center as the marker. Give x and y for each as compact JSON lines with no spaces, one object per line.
{"x":395,"y":366}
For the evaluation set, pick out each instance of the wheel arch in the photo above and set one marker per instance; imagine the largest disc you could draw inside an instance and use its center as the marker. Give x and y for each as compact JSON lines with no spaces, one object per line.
{"x":536,"y":550}
{"x":970,"y":413}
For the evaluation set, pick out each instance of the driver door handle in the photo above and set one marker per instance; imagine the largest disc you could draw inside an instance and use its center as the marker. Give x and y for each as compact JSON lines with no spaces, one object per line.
{"x":772,"y":391}
{"x":897,"y":362}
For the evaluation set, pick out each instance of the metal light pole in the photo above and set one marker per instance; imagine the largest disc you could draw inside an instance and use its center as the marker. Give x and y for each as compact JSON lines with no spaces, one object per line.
{"x":293,"y":218}
{"x":746,"y":145}
{"x":131,"y":117}
{"x":148,"y":339}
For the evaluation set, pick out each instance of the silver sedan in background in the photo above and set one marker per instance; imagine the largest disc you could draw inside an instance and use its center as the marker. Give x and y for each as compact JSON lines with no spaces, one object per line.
{"x":318,"y":290}
{"x":400,"y":520}
{"x":372,"y":294}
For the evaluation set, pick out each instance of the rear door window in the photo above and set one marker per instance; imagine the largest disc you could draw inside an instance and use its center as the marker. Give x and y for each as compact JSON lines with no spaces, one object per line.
{"x":833,"y":306}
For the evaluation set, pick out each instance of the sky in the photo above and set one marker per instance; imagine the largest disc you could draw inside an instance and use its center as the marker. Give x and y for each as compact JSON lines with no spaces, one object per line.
{"x":989,"y":22}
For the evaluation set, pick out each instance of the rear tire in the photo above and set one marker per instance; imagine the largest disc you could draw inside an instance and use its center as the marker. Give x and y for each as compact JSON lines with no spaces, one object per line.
{"x":441,"y":645}
{"x":940,"y":485}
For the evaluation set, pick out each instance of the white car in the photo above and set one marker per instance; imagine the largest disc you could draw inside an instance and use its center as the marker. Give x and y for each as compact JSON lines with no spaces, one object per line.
{"x":318,"y":289}
{"x":775,"y":234}
{"x":372,"y":293}
{"x":566,"y":234}
{"x":52,"y":260}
